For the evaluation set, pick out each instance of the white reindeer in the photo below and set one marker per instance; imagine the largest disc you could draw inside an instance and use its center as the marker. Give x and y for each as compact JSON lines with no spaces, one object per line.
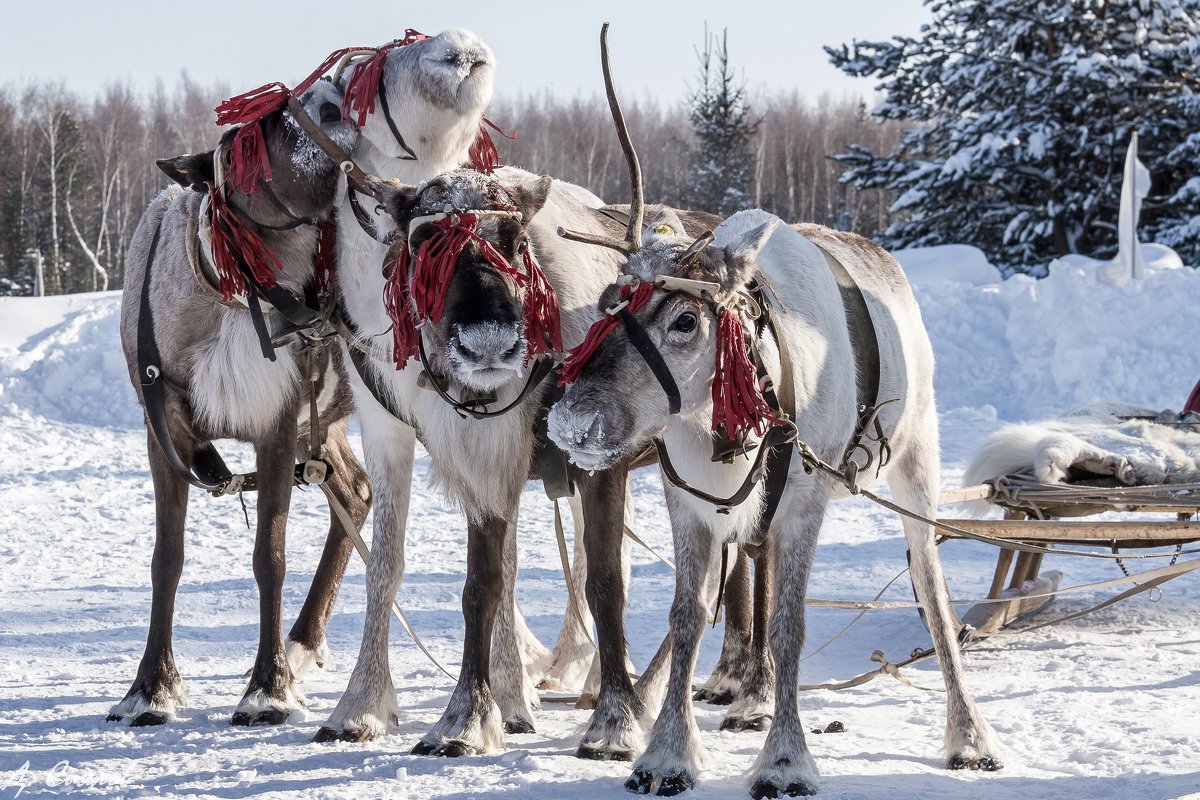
{"x":688,"y":300}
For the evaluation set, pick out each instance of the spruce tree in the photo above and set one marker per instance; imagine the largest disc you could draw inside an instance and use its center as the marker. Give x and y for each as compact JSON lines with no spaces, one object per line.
{"x":721,"y":158}
{"x":1023,"y":112}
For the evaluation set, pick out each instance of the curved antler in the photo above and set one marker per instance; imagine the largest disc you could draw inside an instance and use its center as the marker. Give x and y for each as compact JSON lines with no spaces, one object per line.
{"x":634,"y":232}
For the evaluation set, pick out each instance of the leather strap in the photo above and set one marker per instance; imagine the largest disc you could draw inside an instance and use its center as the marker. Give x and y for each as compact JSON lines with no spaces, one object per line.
{"x":542,"y":365}
{"x":658,"y":366}
{"x":387,"y":115}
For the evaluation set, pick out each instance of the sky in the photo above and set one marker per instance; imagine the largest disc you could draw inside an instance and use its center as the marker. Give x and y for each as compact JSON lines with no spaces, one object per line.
{"x":540,"y":47}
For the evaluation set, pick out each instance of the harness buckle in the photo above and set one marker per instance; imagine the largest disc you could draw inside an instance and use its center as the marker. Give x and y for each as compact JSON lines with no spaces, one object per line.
{"x":315,"y":472}
{"x":617,"y":307}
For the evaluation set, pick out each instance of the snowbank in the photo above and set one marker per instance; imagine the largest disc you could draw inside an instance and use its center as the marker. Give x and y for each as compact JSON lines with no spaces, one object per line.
{"x":1029,"y":348}
{"x":1033,"y":348}
{"x":60,"y":357}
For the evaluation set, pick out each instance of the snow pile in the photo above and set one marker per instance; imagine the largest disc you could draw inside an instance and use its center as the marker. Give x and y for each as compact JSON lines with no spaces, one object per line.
{"x":1035,"y":348}
{"x":72,"y":370}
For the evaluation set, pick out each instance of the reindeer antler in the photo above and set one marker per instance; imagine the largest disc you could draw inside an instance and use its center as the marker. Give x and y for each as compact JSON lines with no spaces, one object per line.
{"x":633,"y":233}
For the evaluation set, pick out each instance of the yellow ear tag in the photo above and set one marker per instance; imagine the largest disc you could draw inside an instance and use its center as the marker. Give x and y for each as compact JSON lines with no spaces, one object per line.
{"x":664,"y":229}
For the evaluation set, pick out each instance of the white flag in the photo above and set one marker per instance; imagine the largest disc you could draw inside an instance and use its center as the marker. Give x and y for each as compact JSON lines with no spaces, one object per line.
{"x":1136,"y":185}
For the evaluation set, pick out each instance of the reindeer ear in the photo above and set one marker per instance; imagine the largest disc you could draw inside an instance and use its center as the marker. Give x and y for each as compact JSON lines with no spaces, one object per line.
{"x":741,"y":255}
{"x":665,"y":225}
{"x":531,"y":195}
{"x":195,"y":171}
{"x":396,"y":198}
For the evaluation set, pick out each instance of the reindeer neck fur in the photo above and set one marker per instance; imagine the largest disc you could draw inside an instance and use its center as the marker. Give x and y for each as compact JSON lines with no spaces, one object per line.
{"x":210,"y":348}
{"x":294,"y":248}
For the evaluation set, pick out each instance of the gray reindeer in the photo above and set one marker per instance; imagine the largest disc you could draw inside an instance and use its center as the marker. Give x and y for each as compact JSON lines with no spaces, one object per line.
{"x":219,"y":385}
{"x":750,"y":337}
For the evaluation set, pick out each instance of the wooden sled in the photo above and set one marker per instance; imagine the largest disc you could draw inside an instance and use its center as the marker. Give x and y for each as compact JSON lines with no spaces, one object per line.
{"x":1034,"y":512}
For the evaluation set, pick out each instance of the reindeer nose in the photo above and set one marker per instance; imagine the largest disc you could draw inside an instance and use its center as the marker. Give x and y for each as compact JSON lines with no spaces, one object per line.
{"x":330,"y":113}
{"x":488,"y":344}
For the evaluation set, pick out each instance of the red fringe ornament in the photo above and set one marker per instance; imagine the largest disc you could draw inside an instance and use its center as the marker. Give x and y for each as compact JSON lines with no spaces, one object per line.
{"x":325,"y":256}
{"x":397,"y":301}
{"x":484,"y":156}
{"x":408,"y":303}
{"x":738,"y":403}
{"x":363,"y":86}
{"x":601,"y":328}
{"x":232,"y":237}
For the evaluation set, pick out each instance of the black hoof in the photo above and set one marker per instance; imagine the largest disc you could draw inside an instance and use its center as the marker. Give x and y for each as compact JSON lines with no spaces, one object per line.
{"x":147,"y":719}
{"x":675,"y":784}
{"x":639,"y":782}
{"x":724,"y":698}
{"x":355,"y":735}
{"x":113,"y":718}
{"x":764,"y":789}
{"x":450,"y":749}
{"x":518,"y":725}
{"x":987,"y":763}
{"x":746,"y":724}
{"x":591,"y":752}
{"x":270,"y":716}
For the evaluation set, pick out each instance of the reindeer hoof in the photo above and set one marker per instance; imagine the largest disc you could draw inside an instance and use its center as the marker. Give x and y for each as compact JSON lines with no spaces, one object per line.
{"x":593,"y":752}
{"x":355,"y":735}
{"x":518,"y":725}
{"x":640,"y":782}
{"x":268,"y":716}
{"x":759,"y":723}
{"x":724,"y":698}
{"x":147,"y":719}
{"x":113,"y":718}
{"x":765,"y":789}
{"x":675,"y":784}
{"x":985,"y":763}
{"x":450,"y":749}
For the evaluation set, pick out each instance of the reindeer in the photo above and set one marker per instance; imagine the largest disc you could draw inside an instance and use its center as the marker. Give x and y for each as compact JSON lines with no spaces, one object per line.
{"x":698,"y":356}
{"x":221,"y":386}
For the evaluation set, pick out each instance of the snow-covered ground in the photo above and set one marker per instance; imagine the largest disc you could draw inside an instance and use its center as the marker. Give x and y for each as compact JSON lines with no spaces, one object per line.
{"x":1101,"y":707}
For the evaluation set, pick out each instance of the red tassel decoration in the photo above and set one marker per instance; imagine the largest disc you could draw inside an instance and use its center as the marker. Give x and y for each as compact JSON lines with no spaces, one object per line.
{"x":248,"y":161}
{"x":398,"y":303}
{"x":484,"y":156}
{"x":738,"y":403}
{"x":363,"y":86}
{"x":436,"y":260}
{"x":325,"y":256}
{"x":231,"y":237}
{"x":601,"y":328}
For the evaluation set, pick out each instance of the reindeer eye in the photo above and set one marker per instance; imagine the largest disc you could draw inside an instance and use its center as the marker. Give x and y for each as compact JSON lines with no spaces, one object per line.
{"x":685,"y":322}
{"x":522,"y":246}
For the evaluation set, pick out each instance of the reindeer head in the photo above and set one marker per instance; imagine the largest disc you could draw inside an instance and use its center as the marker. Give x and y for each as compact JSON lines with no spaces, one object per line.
{"x":683,"y":299}
{"x":303,"y":178}
{"x":671,"y":339}
{"x":419,"y":98}
{"x":464,"y":276}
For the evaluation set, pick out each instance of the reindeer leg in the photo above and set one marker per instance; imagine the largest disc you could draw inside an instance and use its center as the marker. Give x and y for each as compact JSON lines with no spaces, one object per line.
{"x":614,"y":732}
{"x":673,"y":757}
{"x":785,"y":766}
{"x":271,"y":695}
{"x":471,"y":723}
{"x":726,"y":679}
{"x":158,"y":690}
{"x":755,"y":704}
{"x":306,"y":644}
{"x":969,"y":741}
{"x":369,"y":704}
{"x":512,"y":642}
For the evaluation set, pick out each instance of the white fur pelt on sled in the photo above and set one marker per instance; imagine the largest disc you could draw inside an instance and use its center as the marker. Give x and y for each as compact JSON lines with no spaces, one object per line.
{"x":1096,"y":440}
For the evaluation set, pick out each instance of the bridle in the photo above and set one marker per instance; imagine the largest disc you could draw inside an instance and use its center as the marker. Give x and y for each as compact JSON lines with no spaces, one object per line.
{"x":472,"y":404}
{"x":262,"y":186}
